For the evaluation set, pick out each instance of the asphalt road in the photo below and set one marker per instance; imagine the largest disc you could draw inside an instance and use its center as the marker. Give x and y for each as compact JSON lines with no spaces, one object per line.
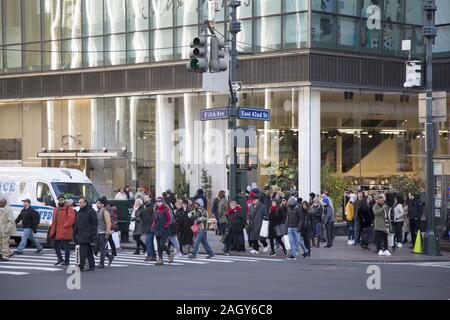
{"x":34,"y":277}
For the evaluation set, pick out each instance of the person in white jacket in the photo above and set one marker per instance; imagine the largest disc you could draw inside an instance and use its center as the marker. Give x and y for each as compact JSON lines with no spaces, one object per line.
{"x":399,"y":219}
{"x":7,"y":227}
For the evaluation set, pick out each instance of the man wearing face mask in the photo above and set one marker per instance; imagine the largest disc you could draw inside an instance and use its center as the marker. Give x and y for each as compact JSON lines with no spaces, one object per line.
{"x":63,"y":219}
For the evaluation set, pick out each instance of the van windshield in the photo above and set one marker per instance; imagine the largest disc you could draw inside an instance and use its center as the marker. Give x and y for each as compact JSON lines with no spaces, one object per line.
{"x":75,"y":191}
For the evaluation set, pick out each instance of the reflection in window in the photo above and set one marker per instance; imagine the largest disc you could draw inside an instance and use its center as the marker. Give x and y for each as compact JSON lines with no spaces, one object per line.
{"x":52,"y":20}
{"x":92,"y":18}
{"x":296,"y":30}
{"x":32,"y":57}
{"x":114,"y":16}
{"x":72,"y":54}
{"x":184,"y":37}
{"x":162,"y":45}
{"x":268,"y":34}
{"x":137,"y":11}
{"x":414,"y":11}
{"x":391,"y":38}
{"x":13,"y":59}
{"x":221,"y":13}
{"x":138,"y":50}
{"x":186,"y":12}
{"x":323,"y":29}
{"x":115,"y":49}
{"x":52,"y":55}
{"x":267,"y":7}
{"x":393,"y":10}
{"x":245,"y":10}
{"x":442,"y":40}
{"x":244,"y":38}
{"x":348,"y":7}
{"x":296,"y":5}
{"x":71,"y":18}
{"x":323,"y":5}
{"x":93,"y":52}
{"x":11,"y":22}
{"x":348,"y":34}
{"x":32,"y":21}
{"x":415,"y":34}
{"x":162,"y":16}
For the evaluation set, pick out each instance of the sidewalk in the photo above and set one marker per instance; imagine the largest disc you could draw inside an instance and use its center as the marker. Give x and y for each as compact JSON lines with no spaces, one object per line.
{"x":341,"y":251}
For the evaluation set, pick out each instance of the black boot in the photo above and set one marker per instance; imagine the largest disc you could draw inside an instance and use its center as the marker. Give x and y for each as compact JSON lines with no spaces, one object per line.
{"x":137,"y":251}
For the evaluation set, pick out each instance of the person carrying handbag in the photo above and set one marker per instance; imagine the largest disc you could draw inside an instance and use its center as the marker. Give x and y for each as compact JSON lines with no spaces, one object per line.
{"x":277,"y":226}
{"x":201,"y":227}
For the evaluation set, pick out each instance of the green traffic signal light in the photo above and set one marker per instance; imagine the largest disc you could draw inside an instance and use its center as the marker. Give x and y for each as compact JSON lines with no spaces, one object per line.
{"x":194,"y":64}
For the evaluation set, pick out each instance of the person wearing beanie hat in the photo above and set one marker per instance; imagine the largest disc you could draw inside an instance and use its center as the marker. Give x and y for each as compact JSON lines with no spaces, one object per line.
{"x":329,"y":221}
{"x":258,"y":213}
{"x":200,"y":217}
{"x":276,"y":218}
{"x":293,"y":224}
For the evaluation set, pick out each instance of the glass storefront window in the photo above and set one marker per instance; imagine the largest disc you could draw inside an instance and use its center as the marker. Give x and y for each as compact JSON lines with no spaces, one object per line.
{"x":161,"y":15}
{"x":137,"y":11}
{"x":162,"y":45}
{"x":296,"y":5}
{"x":268,"y":34}
{"x":267,"y":7}
{"x":186,"y":12}
{"x":219,"y":14}
{"x":348,"y":32}
{"x":370,"y":38}
{"x":323,"y":5}
{"x":183,"y":38}
{"x":442,"y":16}
{"x":92,"y":18}
{"x":393,"y":10}
{"x":138,"y":49}
{"x":348,"y":7}
{"x":32,"y":57}
{"x":115,"y":49}
{"x":51,"y":23}
{"x":114,"y":16}
{"x":12,"y":23}
{"x":415,"y":34}
{"x":71,"y":18}
{"x":93,"y":52}
{"x":296,"y":30}
{"x":32,"y":20}
{"x":323,"y":30}
{"x":414,"y":11}
{"x":12,"y":59}
{"x":392,"y":38}
{"x":72,"y":54}
{"x":442,"y":40}
{"x":244,"y":38}
{"x":52,"y":55}
{"x":245,"y":10}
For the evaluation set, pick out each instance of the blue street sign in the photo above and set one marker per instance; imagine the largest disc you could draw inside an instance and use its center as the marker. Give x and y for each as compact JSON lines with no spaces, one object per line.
{"x":214,"y":114}
{"x":254,"y":114}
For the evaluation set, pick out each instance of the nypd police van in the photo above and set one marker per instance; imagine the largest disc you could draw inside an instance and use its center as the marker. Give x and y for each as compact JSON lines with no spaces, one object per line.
{"x":42,"y":186}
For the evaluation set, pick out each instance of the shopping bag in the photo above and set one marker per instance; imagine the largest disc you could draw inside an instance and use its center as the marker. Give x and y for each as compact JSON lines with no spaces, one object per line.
{"x":116,"y":238}
{"x":286,"y":242}
{"x":245,"y":235}
{"x":390,"y":239}
{"x":131,"y":227}
{"x":155,"y":244}
{"x":264,"y":233}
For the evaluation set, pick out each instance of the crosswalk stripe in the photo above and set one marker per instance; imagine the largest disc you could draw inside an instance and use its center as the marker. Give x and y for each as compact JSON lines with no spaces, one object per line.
{"x":29,"y":268}
{"x":14,"y":273}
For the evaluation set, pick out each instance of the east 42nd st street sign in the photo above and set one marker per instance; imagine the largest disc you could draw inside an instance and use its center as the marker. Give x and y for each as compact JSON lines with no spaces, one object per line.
{"x":254,"y":114}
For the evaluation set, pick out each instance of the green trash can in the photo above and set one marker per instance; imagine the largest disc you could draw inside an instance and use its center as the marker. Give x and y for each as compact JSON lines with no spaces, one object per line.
{"x":124,"y":208}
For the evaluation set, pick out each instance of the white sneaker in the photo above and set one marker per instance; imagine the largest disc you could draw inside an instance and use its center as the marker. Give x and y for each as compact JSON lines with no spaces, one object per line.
{"x":399,"y":245}
{"x":387,"y":253}
{"x":253,"y":251}
{"x":352,"y":242}
{"x":381,"y":253}
{"x":266,"y":249}
{"x":349,"y":242}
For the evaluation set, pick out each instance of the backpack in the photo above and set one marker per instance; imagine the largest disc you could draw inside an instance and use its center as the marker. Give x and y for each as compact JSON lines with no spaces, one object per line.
{"x":391,"y":215}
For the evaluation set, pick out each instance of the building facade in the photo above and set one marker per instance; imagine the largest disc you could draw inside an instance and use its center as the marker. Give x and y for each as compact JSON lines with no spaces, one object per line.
{"x":101,"y":85}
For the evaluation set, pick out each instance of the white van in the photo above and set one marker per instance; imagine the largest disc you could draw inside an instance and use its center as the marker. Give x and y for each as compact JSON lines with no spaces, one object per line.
{"x":42,"y":186}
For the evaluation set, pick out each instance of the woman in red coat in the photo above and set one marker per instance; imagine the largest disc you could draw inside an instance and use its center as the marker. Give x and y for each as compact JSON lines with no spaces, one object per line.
{"x":61,"y":229}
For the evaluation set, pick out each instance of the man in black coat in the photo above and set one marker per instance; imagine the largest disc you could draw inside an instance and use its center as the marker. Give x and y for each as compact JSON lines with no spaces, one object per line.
{"x":30,"y":220}
{"x":85,"y":233}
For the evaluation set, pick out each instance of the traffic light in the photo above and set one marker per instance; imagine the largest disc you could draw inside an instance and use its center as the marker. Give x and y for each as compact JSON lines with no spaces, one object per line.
{"x":199,"y":55}
{"x":217,"y":61}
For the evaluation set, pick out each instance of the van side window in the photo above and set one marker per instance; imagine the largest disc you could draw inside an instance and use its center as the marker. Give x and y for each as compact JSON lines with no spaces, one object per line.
{"x":43,"y":194}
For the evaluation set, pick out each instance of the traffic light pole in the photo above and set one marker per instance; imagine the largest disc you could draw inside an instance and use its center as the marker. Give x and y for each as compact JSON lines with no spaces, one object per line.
{"x":234,"y":28}
{"x":431,"y":240}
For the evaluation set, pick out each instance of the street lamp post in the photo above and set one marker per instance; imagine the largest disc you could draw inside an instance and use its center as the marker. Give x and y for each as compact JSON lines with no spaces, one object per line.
{"x":431,"y":240}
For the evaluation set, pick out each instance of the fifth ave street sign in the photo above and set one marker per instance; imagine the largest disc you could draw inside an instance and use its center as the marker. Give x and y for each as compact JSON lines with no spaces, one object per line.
{"x":213,"y":114}
{"x":254,"y":114}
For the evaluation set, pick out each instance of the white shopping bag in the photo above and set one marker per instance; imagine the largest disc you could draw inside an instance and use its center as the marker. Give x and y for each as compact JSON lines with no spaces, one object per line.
{"x":264,"y":233}
{"x":116,"y":238}
{"x":390,"y":240}
{"x":245,"y":235}
{"x":131,"y":228}
{"x":286,"y":242}
{"x":155,"y":244}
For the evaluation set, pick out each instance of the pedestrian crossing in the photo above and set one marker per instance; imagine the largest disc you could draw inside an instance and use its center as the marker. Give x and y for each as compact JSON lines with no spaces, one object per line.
{"x":29,"y":263}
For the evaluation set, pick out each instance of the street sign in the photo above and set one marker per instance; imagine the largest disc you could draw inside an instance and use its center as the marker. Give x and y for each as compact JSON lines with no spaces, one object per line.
{"x":236,"y":86}
{"x":214,"y":114}
{"x":254,"y":114}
